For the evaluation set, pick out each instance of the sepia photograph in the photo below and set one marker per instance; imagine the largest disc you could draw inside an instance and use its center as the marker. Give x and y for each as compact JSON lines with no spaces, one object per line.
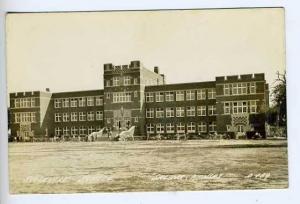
{"x":146,"y":101}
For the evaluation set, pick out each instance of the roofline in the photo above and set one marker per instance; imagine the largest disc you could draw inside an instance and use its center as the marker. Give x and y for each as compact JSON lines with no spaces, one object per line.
{"x":90,"y":90}
{"x":178,"y":84}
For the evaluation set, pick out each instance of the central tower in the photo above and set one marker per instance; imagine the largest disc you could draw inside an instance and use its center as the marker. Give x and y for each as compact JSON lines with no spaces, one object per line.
{"x":124,"y":87}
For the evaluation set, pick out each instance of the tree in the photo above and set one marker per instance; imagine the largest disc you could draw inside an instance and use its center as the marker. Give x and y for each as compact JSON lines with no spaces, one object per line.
{"x":279,"y":99}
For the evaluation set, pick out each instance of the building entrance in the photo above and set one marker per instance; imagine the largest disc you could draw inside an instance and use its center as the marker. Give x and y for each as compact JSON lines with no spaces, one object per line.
{"x":122,"y":118}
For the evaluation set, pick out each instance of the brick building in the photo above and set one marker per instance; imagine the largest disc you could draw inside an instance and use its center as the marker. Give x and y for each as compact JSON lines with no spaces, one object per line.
{"x":134,"y":95}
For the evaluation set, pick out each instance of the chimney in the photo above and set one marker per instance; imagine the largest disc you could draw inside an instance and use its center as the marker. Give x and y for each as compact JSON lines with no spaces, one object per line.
{"x":47,"y":90}
{"x":156,"y":70}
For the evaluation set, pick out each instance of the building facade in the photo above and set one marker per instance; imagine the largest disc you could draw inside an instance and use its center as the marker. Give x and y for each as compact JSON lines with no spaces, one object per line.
{"x":134,"y":95}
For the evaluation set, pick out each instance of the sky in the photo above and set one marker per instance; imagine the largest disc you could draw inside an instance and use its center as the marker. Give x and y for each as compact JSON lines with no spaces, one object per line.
{"x":66,"y":51}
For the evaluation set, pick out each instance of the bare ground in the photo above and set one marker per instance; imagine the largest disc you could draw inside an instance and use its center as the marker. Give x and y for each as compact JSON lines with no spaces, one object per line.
{"x":72,"y":167}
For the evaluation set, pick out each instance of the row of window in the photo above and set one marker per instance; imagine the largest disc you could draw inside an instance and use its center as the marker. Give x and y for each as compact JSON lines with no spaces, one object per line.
{"x":124,"y":80}
{"x":188,"y":95}
{"x":78,"y":116}
{"x":122,"y":97}
{"x":240,"y":107}
{"x":188,"y":111}
{"x":25,"y":102}
{"x":161,"y":128}
{"x":78,"y":102}
{"x":240,"y":88}
{"x":25,"y":117}
{"x":74,"y":130}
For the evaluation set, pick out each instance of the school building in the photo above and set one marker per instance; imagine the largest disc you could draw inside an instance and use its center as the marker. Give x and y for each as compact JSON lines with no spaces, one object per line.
{"x":134,"y":95}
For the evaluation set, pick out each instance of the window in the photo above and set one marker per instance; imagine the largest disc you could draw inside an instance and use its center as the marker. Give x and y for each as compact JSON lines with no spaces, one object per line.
{"x":253,"y":107}
{"x":149,"y":97}
{"x":226,"y":90}
{"x":90,"y":101}
{"x":212,"y":126}
{"x":28,"y":117}
{"x":202,"y":127}
{"x":57,"y":131}
{"x":159,"y":97}
{"x":226,"y":108}
{"x":240,"y":107}
{"x":169,"y":112}
{"x":82,"y":130}
{"x":121,"y":97}
{"x":190,"y":95}
{"x":27,"y":102}
{"x":212,"y":110}
{"x":201,"y":110}
{"x":160,"y":128}
{"x":135,"y":94}
{"x":107,"y":95}
{"x":90,"y":129}
{"x":116,"y":81}
{"x":25,"y":117}
{"x":73,"y":102}
{"x":179,"y":95}
{"x":252,"y":88}
{"x":135,"y":81}
{"x":127,"y":80}
{"x":21,"y":103}
{"x":99,"y":115}
{"x":99,"y":101}
{"x":149,"y":113}
{"x":179,"y":111}
{"x":201,"y":94}
{"x":170,"y":128}
{"x":66,"y":131}
{"x":107,"y":83}
{"x":74,"y":130}
{"x":81,"y":102}
{"x":234,"y":89}
{"x":32,"y":102}
{"x":244,"y":107}
{"x":82,"y":116}
{"x":24,"y":102}
{"x":33,"y":117}
{"x":136,"y":120}
{"x":65,"y":102}
{"x":228,"y":128}
{"x":73,"y":116}
{"x":57,"y":117}
{"x":242,"y":88}
{"x":190,"y":111}
{"x":159,"y":112}
{"x":17,"y":103}
{"x":17,"y":118}
{"x":180,"y":128}
{"x":65,"y":117}
{"x":150,"y":128}
{"x":169,"y":96}
{"x":57,"y":103}
{"x":191,"y":127}
{"x":239,"y":88}
{"x":90,"y":116}
{"x":211,"y":93}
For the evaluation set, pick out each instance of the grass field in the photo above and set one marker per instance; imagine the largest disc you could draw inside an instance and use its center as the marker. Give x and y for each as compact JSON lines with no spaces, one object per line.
{"x":73,"y":167}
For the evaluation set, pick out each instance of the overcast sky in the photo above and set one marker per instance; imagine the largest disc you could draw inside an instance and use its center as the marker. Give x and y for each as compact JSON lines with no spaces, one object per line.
{"x":66,"y":51}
